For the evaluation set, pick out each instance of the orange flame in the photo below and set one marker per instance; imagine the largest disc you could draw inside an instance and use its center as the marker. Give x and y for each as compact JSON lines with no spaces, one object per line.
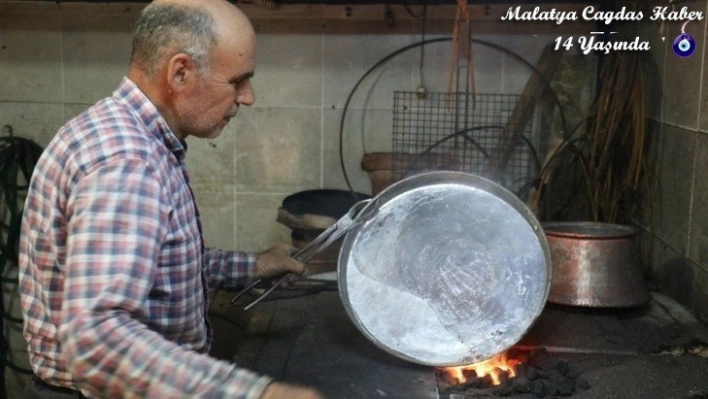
{"x":492,"y":367}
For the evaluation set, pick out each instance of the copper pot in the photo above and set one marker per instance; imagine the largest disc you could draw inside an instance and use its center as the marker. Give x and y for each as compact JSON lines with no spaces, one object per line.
{"x":594,"y":265}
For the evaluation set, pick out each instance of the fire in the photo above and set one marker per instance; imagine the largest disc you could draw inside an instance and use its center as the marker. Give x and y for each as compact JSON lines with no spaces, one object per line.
{"x":492,"y":367}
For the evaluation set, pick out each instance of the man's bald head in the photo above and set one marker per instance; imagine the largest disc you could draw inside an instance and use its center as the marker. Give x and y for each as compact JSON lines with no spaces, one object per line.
{"x":169,"y":27}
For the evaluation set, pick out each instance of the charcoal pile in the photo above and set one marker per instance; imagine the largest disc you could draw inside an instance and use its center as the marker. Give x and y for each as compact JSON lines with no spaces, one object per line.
{"x":538,"y":375}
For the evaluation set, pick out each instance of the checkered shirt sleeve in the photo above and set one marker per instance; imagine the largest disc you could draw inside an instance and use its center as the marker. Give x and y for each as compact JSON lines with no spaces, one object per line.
{"x":113,"y":274}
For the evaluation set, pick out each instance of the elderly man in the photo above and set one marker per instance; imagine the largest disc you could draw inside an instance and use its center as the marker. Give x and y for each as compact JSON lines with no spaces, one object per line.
{"x":113,"y":270}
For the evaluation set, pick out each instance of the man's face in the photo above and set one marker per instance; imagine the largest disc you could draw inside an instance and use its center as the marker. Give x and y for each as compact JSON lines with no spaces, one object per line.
{"x":216,"y":95}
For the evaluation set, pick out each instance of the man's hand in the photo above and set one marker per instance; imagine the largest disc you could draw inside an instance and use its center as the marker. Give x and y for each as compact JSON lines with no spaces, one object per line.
{"x":276,"y":260}
{"x":279,"y":390}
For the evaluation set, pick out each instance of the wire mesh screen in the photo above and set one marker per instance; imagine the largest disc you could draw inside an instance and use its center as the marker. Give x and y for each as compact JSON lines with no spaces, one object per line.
{"x":485,"y":134}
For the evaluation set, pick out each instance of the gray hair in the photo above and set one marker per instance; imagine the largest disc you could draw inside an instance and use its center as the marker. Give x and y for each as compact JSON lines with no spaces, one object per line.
{"x":164,"y":30}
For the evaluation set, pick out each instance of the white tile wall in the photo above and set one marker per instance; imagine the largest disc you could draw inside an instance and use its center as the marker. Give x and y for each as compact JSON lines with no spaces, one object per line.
{"x":212,"y":161}
{"x":678,"y":91}
{"x":348,"y":57}
{"x":95,"y":51}
{"x":30,"y":56}
{"x":64,"y":57}
{"x":288,"y":72}
{"x":32,"y":120}
{"x":681,"y":77}
{"x":277,"y":150}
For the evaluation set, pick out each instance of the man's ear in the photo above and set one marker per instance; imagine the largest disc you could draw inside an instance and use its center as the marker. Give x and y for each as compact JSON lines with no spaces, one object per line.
{"x":181,"y":72}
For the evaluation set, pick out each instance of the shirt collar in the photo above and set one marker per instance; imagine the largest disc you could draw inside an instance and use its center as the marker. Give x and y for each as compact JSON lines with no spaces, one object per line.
{"x":131,"y":95}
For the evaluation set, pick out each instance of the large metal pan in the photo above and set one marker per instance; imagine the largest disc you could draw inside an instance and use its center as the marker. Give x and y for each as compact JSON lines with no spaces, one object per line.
{"x":450,"y":270}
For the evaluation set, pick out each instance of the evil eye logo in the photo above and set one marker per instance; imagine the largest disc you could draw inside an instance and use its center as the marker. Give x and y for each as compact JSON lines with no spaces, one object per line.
{"x":684,"y":45}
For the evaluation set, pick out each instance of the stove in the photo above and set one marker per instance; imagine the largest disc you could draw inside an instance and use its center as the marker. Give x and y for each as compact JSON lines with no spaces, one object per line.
{"x":656,"y":351}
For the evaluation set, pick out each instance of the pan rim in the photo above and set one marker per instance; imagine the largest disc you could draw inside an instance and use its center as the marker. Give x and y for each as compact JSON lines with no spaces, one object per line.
{"x":430,"y":179}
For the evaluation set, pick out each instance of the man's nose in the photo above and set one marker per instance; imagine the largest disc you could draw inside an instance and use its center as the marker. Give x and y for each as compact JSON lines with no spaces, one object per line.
{"x":245,"y":94}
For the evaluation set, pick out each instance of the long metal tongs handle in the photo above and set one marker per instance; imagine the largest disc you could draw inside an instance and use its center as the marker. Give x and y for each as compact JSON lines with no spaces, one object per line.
{"x":282,"y":279}
{"x":324,"y":240}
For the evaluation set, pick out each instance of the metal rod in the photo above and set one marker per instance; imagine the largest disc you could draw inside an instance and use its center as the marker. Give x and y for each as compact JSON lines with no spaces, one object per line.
{"x":568,"y":349}
{"x":265,"y":294}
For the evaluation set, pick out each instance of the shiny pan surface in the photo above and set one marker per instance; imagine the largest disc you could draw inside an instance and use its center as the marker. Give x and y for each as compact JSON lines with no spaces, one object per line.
{"x":452,"y":269}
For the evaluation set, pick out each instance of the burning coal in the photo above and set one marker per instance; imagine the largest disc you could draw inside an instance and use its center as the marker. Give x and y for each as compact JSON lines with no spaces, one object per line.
{"x":495,"y":368}
{"x":515,"y":372}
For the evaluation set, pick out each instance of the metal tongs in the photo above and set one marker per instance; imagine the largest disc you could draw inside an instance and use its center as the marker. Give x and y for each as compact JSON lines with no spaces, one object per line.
{"x":357,"y":214}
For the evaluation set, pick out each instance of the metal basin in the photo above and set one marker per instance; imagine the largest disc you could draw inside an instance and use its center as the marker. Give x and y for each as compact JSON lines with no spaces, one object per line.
{"x":594,"y":265}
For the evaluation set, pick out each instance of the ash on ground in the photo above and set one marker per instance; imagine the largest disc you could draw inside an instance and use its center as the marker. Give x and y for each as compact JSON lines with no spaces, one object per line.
{"x":539,"y":375}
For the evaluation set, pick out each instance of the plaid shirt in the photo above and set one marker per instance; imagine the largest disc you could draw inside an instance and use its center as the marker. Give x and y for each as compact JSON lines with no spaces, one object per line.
{"x":113,"y":270}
